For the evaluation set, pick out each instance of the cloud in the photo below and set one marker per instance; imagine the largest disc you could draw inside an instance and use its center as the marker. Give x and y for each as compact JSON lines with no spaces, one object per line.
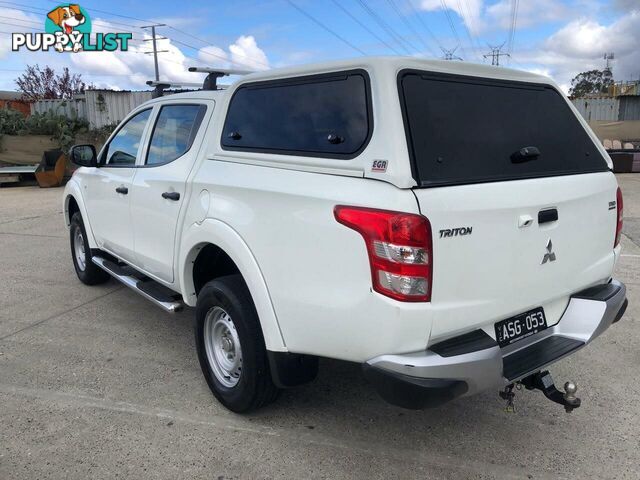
{"x":581,"y":44}
{"x":245,"y":51}
{"x":627,"y":5}
{"x":469,"y":11}
{"x":133,"y":68}
{"x":528,"y":14}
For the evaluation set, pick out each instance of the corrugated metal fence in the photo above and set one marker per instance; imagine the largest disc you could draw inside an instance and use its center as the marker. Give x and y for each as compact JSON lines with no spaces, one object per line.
{"x":591,"y":109}
{"x":611,"y":109}
{"x":98,"y":107}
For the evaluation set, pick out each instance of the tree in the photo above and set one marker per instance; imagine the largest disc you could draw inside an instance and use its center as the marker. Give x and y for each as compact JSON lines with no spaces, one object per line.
{"x":591,"y":82}
{"x":36,"y":84}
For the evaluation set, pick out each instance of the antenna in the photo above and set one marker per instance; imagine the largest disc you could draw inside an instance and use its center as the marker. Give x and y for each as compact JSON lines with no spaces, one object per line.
{"x":211,"y":80}
{"x":608,"y":57}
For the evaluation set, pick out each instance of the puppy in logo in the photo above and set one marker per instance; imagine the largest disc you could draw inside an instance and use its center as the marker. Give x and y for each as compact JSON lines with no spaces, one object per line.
{"x":67,"y":18}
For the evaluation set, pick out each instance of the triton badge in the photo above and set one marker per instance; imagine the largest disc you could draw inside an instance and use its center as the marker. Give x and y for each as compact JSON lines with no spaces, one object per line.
{"x":549,"y":256}
{"x":454,"y":232}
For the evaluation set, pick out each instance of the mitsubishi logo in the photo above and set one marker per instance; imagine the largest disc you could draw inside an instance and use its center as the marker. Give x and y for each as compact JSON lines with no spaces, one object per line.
{"x":549,"y":256}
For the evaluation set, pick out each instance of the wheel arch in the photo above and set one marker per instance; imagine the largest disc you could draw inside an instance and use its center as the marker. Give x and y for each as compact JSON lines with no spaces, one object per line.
{"x":73,"y":202}
{"x":214,"y":239}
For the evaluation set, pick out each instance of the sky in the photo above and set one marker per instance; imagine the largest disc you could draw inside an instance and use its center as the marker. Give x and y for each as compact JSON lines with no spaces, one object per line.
{"x":557,"y":38}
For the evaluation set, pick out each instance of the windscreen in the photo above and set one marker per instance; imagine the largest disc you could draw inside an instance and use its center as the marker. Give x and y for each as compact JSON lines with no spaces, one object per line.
{"x":468,"y":130}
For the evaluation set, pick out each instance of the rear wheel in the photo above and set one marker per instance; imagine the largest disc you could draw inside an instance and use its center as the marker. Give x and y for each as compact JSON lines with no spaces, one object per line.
{"x":230,"y":346}
{"x":88,"y":272}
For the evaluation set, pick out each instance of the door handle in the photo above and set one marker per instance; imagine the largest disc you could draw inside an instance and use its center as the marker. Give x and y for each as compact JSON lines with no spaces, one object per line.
{"x":122,"y":190}
{"x":546,"y":216}
{"x":175,"y":196}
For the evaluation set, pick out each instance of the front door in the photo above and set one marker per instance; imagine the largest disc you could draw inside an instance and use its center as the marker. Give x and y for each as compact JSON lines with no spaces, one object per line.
{"x":159,"y":186}
{"x":108,"y":192}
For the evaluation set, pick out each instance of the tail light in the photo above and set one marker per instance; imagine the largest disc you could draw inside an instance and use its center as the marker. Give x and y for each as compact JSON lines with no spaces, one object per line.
{"x":619,"y":206}
{"x":399,"y":248}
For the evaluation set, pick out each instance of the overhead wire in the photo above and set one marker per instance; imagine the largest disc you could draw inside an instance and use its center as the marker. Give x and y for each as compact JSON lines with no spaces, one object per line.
{"x":465,"y":16}
{"x":423,"y":23}
{"x":404,"y":20}
{"x":452,"y":26}
{"x":364,"y":26}
{"x":386,"y":27}
{"x":325,"y":27}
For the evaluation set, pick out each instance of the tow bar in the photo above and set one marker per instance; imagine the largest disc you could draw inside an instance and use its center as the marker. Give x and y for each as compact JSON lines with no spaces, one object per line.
{"x":543,"y":381}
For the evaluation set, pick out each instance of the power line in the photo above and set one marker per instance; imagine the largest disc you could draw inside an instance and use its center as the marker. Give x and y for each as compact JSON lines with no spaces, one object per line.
{"x":355,"y":19}
{"x":465,"y":15}
{"x":319,"y":23}
{"x":452,"y":26}
{"x":32,"y":10}
{"x":409,"y":26}
{"x":110,"y":22}
{"x":423,"y":23}
{"x":386,"y":27}
{"x":514,"y":19}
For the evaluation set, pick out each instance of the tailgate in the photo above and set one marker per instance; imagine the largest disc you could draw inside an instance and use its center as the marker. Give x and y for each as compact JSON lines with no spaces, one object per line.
{"x":489,"y":246}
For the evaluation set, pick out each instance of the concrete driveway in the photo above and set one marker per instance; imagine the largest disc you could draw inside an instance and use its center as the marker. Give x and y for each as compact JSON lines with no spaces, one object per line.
{"x":97,"y":383}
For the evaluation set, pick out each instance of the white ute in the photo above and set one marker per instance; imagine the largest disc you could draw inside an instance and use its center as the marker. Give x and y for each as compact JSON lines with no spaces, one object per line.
{"x":451,"y":227}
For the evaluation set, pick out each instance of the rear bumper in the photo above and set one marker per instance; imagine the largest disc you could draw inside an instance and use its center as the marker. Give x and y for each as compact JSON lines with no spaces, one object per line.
{"x":476,"y":363}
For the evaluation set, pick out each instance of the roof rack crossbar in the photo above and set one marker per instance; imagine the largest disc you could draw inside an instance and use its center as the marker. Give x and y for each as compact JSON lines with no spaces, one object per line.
{"x":211,"y":80}
{"x":160,"y":87}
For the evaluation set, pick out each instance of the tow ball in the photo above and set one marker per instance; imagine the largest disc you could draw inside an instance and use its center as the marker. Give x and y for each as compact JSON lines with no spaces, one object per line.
{"x":543,"y":381}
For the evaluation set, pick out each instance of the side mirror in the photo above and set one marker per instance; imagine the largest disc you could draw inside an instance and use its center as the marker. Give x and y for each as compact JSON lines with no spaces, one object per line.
{"x":84,"y":155}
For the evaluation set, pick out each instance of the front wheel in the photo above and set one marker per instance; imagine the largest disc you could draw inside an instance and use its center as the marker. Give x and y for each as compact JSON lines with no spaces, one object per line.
{"x":88,"y":272}
{"x":231,"y":347}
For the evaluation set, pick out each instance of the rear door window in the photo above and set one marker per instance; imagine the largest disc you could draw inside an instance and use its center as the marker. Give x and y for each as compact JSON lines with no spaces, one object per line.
{"x":468,"y":130}
{"x":174,"y":132}
{"x":322,"y":115}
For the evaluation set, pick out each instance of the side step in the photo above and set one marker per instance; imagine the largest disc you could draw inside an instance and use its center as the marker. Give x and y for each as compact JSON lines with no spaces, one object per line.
{"x":163,"y":297}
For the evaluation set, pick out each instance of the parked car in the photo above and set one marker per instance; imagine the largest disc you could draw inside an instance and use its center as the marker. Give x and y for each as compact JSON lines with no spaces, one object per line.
{"x":450,"y":227}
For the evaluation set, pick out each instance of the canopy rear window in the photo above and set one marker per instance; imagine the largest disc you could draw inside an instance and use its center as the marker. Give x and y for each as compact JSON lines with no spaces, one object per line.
{"x":468,"y":130}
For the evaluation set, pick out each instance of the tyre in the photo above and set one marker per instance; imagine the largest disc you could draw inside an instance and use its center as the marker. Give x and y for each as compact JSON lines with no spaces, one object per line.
{"x":231,"y":347}
{"x":88,"y":272}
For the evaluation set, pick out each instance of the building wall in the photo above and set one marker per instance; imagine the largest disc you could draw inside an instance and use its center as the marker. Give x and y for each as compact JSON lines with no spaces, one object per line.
{"x":19,"y":105}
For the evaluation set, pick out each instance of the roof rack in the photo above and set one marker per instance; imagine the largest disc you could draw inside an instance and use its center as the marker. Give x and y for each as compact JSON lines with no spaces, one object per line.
{"x":160,"y":87}
{"x":210,"y":81}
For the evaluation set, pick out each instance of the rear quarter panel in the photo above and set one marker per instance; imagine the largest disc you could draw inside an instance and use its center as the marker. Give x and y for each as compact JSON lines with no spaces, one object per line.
{"x":316,"y":270}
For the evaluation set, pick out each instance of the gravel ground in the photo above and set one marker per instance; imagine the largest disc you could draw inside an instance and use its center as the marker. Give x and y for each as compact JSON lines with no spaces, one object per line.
{"x":97,"y":383}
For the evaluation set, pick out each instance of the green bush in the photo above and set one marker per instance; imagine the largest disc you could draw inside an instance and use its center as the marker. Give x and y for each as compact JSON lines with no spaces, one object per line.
{"x":11,"y":122}
{"x":62,"y":129}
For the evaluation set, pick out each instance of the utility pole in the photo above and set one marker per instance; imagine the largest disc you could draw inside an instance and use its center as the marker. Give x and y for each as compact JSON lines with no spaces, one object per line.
{"x":496,"y":54}
{"x":155,"y":46}
{"x":449,"y":54}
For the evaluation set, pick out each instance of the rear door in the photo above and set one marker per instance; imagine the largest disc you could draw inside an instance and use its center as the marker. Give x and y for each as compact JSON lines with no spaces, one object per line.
{"x":159,"y":186}
{"x":518,"y":196}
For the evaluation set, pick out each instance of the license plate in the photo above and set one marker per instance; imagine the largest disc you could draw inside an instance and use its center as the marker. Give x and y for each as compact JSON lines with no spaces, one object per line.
{"x":521,"y":326}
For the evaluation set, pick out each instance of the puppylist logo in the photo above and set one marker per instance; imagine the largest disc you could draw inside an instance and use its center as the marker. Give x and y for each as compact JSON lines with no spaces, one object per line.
{"x":68,"y":29}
